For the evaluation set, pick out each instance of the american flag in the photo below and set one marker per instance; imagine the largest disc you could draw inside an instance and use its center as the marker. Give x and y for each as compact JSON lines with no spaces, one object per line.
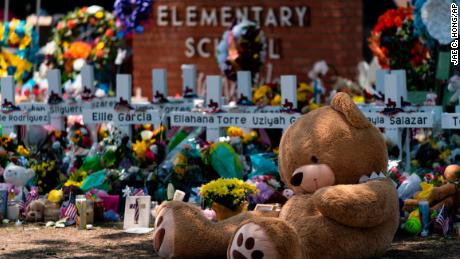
{"x":443,"y":220}
{"x":139,"y":192}
{"x":135,"y":206}
{"x":71,"y":211}
{"x":31,"y":196}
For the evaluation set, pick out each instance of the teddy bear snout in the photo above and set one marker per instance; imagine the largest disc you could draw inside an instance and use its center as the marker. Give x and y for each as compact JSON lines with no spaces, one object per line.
{"x":312,"y":177}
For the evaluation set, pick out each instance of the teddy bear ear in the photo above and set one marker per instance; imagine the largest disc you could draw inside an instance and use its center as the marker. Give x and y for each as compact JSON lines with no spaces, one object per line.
{"x":343,"y":104}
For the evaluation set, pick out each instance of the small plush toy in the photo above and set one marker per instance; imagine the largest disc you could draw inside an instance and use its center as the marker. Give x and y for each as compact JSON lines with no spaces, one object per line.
{"x":344,"y":205}
{"x":35,"y":211}
{"x":18,"y":176}
{"x":445,"y":195}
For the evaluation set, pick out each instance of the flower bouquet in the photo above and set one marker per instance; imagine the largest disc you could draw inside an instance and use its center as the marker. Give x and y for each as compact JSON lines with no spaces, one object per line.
{"x":227,"y":197}
{"x":19,"y":44}
{"x":87,"y":35}
{"x":269,"y":190}
{"x":149,"y":147}
{"x":396,"y":46}
{"x":243,"y":47}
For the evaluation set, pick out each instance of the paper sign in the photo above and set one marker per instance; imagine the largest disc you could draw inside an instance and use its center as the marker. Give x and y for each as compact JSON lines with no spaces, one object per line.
{"x":121,"y":118}
{"x":98,"y":103}
{"x":167,"y":108}
{"x":450,"y":120}
{"x":24,"y":118}
{"x":401,"y":120}
{"x":243,"y":120}
{"x":254,"y":109}
{"x":34,"y":107}
{"x":137,"y":212}
{"x":66,"y":109}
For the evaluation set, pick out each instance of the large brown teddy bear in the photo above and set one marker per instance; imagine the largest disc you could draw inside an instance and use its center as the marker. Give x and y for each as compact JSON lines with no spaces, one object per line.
{"x":344,"y":206}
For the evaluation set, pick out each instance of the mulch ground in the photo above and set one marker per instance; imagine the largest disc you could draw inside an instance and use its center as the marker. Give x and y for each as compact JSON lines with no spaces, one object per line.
{"x":109,"y":241}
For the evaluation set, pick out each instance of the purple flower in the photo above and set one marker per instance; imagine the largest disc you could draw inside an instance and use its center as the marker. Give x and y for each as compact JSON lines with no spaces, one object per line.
{"x":264,"y":192}
{"x":130,"y":13}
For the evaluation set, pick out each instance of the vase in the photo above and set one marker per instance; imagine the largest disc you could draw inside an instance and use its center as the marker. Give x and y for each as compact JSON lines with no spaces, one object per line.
{"x":223,"y":212}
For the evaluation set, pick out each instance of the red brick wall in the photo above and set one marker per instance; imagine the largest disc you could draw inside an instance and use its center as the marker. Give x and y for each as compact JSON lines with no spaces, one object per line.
{"x":334,"y":34}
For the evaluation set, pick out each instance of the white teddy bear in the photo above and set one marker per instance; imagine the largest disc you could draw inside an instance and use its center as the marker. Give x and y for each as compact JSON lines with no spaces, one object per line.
{"x":18,"y":176}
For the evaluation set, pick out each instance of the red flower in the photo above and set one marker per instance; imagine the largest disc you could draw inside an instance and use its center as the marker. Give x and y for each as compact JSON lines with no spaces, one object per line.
{"x":149,"y":155}
{"x":36,"y":90}
{"x":109,"y":33}
{"x":398,"y":22}
{"x":388,"y":22}
{"x":99,"y":53}
{"x":70,"y":24}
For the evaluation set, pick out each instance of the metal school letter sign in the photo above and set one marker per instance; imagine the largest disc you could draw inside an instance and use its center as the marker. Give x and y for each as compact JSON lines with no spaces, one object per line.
{"x":193,"y":16}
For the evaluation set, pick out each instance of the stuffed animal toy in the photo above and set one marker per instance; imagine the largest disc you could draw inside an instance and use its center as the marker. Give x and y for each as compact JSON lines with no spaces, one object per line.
{"x":18,"y":176}
{"x":344,"y":206}
{"x":445,"y":195}
{"x":35,"y":211}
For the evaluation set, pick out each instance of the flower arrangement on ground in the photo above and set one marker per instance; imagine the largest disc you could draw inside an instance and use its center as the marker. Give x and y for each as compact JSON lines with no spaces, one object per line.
{"x":230,"y":193}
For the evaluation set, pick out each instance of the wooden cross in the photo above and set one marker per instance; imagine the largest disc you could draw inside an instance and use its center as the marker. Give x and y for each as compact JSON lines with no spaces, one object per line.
{"x":12,"y":115}
{"x":160,"y":91}
{"x":213,"y":120}
{"x":394,"y":87}
{"x":122,"y":114}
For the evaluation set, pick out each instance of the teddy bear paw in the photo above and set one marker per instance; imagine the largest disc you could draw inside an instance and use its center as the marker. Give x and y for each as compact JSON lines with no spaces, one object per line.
{"x":164,"y":232}
{"x":251,"y":242}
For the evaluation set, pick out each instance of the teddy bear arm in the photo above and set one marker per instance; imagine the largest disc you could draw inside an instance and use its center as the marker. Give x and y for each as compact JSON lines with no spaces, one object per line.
{"x":358,"y":205}
{"x":442,"y":192}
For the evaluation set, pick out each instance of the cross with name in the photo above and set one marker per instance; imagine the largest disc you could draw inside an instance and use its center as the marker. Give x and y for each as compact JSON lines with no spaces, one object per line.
{"x":213,"y":118}
{"x":123,"y":114}
{"x":160,"y":95}
{"x":12,"y":115}
{"x":395,"y":115}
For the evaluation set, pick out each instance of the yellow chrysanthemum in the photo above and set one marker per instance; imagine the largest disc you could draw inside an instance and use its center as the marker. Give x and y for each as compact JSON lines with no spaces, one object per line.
{"x":276,"y":100}
{"x":250,"y":136}
{"x":221,"y":187}
{"x":303,"y":90}
{"x":235,"y":132}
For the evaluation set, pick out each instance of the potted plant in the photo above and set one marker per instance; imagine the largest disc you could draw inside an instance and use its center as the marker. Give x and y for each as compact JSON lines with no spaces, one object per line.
{"x":227,"y":197}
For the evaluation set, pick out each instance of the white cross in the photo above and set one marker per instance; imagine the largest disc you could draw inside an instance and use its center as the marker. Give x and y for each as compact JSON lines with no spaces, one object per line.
{"x":24,"y":114}
{"x":123,"y":114}
{"x":214,"y":121}
{"x":160,"y":91}
{"x":393,"y":84}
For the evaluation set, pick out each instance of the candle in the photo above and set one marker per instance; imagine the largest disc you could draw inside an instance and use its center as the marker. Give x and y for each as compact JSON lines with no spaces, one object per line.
{"x":81,"y":207}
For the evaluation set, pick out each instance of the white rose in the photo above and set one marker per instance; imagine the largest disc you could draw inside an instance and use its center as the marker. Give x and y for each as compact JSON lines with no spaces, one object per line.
{"x":94,"y":9}
{"x":78,"y":64}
